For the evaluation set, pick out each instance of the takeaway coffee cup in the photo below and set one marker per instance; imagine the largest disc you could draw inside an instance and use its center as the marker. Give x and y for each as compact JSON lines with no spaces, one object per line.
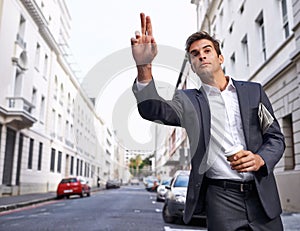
{"x":234,"y":149}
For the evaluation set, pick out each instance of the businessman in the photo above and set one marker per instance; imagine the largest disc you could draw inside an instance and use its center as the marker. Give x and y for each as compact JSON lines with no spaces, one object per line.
{"x":233,"y":150}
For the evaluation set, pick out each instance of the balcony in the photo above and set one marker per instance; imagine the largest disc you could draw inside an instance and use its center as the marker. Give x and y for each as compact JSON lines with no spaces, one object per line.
{"x":17,"y":113}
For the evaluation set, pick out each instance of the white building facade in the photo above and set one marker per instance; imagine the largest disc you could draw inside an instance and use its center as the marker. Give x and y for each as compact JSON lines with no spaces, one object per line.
{"x":48,"y":126}
{"x":260,"y":42}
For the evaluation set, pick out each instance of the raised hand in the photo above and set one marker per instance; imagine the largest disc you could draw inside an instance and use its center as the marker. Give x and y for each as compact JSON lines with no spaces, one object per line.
{"x":144,"y":48}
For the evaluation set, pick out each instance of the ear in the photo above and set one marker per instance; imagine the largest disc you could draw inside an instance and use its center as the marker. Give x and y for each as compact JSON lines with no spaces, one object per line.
{"x":221,"y":59}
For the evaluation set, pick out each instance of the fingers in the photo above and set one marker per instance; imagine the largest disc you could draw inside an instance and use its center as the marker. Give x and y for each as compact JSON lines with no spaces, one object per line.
{"x":149,"y":26}
{"x":133,"y":41}
{"x":247,"y":163}
{"x":146,"y":25}
{"x":143,"y":23}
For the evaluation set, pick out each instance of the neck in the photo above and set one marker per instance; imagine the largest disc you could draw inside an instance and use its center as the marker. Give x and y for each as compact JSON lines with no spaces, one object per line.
{"x":219,"y":81}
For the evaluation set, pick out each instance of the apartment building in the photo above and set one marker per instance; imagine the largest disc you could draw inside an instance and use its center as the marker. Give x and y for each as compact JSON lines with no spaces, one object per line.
{"x":48,"y":126}
{"x":260,"y":42}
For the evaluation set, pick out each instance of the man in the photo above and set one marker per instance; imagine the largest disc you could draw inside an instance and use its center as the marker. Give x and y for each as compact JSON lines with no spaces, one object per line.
{"x":233,"y":157}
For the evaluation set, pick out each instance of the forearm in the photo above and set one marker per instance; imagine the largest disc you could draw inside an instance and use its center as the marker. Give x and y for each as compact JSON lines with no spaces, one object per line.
{"x":154,"y":108}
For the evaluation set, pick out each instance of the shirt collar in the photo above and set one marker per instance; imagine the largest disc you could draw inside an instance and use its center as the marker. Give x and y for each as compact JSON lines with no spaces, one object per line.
{"x":212,"y":90}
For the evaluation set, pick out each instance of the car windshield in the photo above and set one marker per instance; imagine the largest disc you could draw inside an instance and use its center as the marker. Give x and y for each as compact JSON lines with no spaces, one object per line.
{"x":166,"y":182}
{"x":181,"y":181}
{"x":70,"y":180}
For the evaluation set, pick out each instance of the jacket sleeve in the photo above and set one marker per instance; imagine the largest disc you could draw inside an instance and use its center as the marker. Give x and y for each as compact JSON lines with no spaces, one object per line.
{"x":155,"y":108}
{"x":273,"y":144}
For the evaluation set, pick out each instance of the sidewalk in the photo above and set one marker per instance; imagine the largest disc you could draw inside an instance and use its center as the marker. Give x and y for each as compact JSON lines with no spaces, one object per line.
{"x":14,"y":202}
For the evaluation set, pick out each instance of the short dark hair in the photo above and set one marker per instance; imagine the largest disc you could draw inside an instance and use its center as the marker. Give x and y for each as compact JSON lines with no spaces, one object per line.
{"x":202,"y":35}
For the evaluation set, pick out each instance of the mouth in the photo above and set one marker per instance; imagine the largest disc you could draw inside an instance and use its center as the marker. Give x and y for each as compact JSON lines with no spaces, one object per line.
{"x":204,"y":64}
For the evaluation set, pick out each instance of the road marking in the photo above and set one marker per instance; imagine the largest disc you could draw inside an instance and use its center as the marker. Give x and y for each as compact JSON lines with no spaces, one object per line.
{"x":167,"y":228}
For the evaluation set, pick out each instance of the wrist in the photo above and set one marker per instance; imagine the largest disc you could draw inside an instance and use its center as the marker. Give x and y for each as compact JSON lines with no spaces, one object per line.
{"x":144,"y":73}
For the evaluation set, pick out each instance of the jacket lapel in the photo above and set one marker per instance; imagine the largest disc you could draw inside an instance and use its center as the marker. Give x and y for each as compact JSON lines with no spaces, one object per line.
{"x":204,"y":114}
{"x":244,"y":102}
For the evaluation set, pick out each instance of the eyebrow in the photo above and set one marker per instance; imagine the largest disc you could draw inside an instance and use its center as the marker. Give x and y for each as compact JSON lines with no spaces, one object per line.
{"x":206,"y":46}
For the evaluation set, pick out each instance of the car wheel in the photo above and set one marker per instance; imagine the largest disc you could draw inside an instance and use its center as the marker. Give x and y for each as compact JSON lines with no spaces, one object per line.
{"x":166,"y":215}
{"x":82,"y":193}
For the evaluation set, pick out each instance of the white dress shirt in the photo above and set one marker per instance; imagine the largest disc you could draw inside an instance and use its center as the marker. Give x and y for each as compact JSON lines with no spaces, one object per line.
{"x":219,"y":165}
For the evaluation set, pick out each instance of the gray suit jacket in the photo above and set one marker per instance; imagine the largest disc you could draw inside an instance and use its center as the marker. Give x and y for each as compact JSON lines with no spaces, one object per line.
{"x":189,"y":109}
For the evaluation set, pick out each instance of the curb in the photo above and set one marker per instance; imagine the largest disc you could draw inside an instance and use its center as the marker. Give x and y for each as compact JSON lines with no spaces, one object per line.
{"x":24,"y":204}
{"x":17,"y":205}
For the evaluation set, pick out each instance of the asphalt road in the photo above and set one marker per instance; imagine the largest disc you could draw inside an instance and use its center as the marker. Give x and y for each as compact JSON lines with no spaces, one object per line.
{"x":128,"y":208}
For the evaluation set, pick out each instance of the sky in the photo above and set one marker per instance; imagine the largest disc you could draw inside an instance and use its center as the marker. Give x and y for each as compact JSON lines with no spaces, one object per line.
{"x":99,"y":28}
{"x":102,"y":29}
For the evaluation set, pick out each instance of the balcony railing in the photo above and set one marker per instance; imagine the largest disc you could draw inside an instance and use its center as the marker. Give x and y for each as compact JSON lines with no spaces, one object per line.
{"x":18,"y":112}
{"x":20,"y":104}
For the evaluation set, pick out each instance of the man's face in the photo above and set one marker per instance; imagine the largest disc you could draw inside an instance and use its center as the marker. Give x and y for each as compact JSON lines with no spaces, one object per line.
{"x":204,"y":59}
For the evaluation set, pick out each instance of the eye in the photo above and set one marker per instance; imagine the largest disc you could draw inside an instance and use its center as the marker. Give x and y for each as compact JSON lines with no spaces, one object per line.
{"x":194,"y":53}
{"x":207,"y":51}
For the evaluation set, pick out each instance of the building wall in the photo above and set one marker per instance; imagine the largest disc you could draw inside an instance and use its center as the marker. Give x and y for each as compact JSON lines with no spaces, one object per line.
{"x":272,"y":59}
{"x":54,"y":131}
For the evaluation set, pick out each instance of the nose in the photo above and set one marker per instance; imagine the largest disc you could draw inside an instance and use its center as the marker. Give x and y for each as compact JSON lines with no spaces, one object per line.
{"x":201,"y":56}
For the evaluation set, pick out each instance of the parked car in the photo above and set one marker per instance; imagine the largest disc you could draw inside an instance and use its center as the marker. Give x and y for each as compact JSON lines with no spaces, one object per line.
{"x":134,"y":181}
{"x":175,"y":198}
{"x":110,"y":184}
{"x":162,"y":190}
{"x":151,"y":183}
{"x":73,"y":186}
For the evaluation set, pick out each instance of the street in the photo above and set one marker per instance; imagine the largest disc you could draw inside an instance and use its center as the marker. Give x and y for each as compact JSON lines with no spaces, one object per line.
{"x":128,"y":208}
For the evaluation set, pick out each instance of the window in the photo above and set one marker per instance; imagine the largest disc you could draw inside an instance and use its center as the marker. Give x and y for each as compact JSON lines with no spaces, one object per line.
{"x":45,"y":71}
{"x":289,"y":153}
{"x":242,"y":9}
{"x":69,"y":103}
{"x":55,"y":88}
{"x":21,"y":32}
{"x":85,"y":169}
{"x":81,"y":167}
{"x":53,"y":123}
{"x":72,"y":165}
{"x":231,"y":28}
{"x":67,"y":130}
{"x":18,"y":83}
{"x":245,"y":49}
{"x":285,"y":18}
{"x":30,"y":154}
{"x":42,"y":108}
{"x":61,"y":98}
{"x":59,"y":161}
{"x":93,"y":171}
{"x":260,"y":23}
{"x":59,"y":124}
{"x":33,"y":97}
{"x":37,"y":56}
{"x":39,"y":167}
{"x":52,"y":163}
{"x":77,"y":167}
{"x":232,"y":57}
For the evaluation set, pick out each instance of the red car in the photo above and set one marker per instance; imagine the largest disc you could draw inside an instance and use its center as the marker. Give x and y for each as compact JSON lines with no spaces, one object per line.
{"x":73,"y":186}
